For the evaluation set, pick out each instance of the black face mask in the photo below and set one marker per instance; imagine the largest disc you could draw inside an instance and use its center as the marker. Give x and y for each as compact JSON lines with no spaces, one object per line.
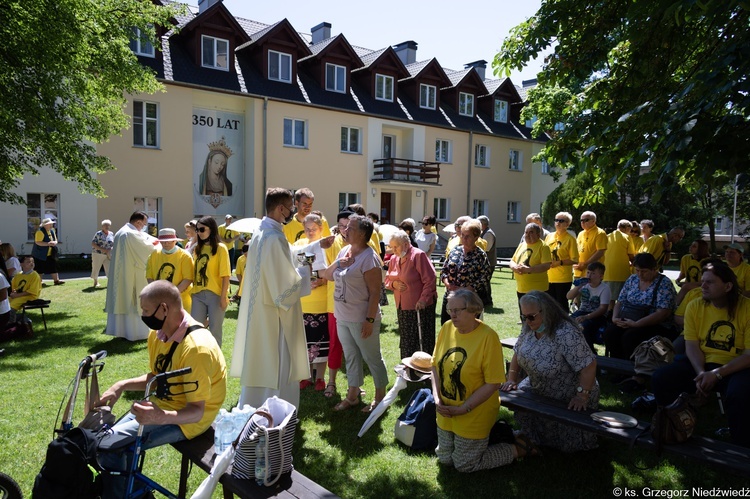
{"x":291,"y":215}
{"x":152,"y":322}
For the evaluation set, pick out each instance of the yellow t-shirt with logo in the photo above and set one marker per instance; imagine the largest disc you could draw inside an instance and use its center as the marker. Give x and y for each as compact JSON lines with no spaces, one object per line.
{"x":240,"y":272}
{"x":317,"y":301}
{"x":720,"y":339}
{"x":690,"y":268}
{"x":465,"y":363}
{"x":561,"y":247}
{"x":199,"y":351}
{"x":531,"y":255}
{"x":173,"y":268}
{"x":210,"y":269}
{"x":25,"y":283}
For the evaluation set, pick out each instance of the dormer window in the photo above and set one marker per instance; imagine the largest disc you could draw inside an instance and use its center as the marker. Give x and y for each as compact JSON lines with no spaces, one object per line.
{"x":465,"y":104}
{"x":140,"y":44}
{"x":335,"y":78}
{"x":427,"y":95}
{"x":384,"y":87}
{"x":215,"y":53}
{"x":501,"y":111}
{"x":279,"y":66}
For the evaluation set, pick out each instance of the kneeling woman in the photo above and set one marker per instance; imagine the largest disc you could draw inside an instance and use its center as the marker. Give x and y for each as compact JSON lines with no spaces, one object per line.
{"x":467,"y":371}
{"x":560,"y":365}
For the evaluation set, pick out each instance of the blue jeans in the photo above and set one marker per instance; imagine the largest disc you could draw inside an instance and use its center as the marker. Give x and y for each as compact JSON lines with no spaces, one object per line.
{"x":115,"y":452}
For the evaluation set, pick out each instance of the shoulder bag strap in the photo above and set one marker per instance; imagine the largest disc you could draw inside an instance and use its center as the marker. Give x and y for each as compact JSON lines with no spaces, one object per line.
{"x":168,"y":358}
{"x":656,"y":290}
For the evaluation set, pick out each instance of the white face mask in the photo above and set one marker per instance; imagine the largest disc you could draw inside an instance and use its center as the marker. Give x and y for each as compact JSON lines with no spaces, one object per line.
{"x":402,"y":254}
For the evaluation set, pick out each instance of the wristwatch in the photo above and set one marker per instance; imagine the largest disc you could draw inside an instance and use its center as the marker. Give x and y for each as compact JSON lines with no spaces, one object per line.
{"x":370,"y":319}
{"x":580,"y":389}
{"x":718,"y":374}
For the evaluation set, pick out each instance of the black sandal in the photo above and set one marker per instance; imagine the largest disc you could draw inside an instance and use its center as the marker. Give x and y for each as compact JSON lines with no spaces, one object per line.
{"x":523,"y":443}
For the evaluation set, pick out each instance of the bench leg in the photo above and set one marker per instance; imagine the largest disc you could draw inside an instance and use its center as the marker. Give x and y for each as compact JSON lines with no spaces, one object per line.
{"x":43,"y":319}
{"x":183,"y":476}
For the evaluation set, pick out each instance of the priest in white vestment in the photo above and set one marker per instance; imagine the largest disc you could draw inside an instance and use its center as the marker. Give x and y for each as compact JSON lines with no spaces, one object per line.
{"x":270,"y":349}
{"x":127,"y":278}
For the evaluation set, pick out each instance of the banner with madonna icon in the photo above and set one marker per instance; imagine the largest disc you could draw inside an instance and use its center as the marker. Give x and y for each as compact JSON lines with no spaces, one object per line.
{"x":218,"y":162}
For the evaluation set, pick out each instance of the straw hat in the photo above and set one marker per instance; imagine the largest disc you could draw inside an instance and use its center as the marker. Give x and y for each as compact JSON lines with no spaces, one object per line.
{"x":168,"y":235}
{"x":419,"y":361}
{"x":46,"y":221}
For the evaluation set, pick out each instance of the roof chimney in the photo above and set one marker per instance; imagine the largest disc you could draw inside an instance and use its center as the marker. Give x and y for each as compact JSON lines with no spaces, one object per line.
{"x":321,"y":32}
{"x":406,"y":51}
{"x":480,"y":66}
{"x":204,"y":5}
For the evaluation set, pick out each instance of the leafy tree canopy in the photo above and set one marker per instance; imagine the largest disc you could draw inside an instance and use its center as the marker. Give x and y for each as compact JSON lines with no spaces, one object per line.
{"x":662,"y":82}
{"x":66,"y":67}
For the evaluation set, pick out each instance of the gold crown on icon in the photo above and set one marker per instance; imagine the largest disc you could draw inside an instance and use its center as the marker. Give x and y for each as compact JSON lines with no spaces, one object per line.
{"x":220,"y":145}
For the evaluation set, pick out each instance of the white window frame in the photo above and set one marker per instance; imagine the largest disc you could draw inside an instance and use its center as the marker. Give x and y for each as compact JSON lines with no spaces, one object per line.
{"x":545,"y":167}
{"x":151,"y":207}
{"x":215,"y":53}
{"x":141,"y":45}
{"x":294,"y":124}
{"x":481,"y":207}
{"x":145,"y":123}
{"x":514,"y":212}
{"x":347,"y":198}
{"x":443,"y":151}
{"x":47,"y":206}
{"x":465,"y":104}
{"x":719,"y":224}
{"x":481,"y":156}
{"x":427,"y":96}
{"x":442,"y":208}
{"x":381,"y":87}
{"x":279,"y":58}
{"x":515,"y":160}
{"x":347,"y":133}
{"x":339,"y":78}
{"x":501,"y":112}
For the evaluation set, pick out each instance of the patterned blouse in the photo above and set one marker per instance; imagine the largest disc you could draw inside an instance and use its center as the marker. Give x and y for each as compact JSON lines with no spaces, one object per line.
{"x":106,"y":241}
{"x":665,"y":294}
{"x":466,"y":269}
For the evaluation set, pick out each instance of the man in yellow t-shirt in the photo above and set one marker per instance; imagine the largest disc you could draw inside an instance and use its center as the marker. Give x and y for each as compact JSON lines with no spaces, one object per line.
{"x":733,"y":254}
{"x":26,"y":285}
{"x":186,"y":415}
{"x":172,"y":264}
{"x":717,"y":337}
{"x":617,"y":258}
{"x":303,"y":202}
{"x":229,"y":238}
{"x":660,"y":246}
{"x":592,"y":243}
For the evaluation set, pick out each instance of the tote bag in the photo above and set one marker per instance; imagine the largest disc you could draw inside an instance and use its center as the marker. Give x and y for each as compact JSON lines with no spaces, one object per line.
{"x":277,"y":420}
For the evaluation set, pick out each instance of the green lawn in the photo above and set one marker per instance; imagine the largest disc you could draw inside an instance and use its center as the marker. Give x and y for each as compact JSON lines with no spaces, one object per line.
{"x":35,"y":373}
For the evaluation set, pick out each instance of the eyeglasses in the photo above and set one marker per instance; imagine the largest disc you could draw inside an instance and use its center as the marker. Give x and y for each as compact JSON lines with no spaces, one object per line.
{"x":561,"y":220}
{"x":454,"y":311}
{"x":202,"y":229}
{"x":530,"y":317}
{"x":583,"y":220}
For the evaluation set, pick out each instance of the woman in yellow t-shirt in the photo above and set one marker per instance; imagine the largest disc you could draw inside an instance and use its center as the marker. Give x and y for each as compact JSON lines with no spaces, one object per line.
{"x":211,"y":282}
{"x":531,"y":261}
{"x":467,"y":371}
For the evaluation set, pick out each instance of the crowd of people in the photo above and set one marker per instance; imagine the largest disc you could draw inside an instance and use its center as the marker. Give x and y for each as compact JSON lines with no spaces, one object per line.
{"x":310,"y":299}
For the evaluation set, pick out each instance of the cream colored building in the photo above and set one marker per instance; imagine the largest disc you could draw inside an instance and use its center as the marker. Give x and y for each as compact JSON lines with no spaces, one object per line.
{"x":402,"y":137}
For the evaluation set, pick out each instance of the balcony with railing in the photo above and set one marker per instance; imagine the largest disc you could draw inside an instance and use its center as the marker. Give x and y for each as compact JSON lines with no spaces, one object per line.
{"x":398,"y":170}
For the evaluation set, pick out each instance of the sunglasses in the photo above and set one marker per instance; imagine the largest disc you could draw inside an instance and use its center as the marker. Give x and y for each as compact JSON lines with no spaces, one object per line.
{"x":202,"y":229}
{"x":561,"y":220}
{"x":530,"y":317}
{"x":584,"y":220}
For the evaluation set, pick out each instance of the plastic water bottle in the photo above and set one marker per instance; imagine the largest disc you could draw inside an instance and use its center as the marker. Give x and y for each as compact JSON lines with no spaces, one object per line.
{"x":237,"y":422}
{"x":225,"y":430}
{"x":260,"y":460}
{"x":217,"y":430}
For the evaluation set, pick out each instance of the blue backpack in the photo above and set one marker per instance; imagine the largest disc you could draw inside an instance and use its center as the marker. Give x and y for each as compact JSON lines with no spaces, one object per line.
{"x":416,"y":427}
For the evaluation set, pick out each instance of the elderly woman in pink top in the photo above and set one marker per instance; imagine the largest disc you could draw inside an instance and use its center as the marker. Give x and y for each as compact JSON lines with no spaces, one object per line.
{"x":411,"y":276}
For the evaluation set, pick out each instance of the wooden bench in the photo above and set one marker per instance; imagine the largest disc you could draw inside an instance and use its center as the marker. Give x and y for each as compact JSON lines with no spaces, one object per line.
{"x":509,"y":343}
{"x":717,"y":453}
{"x":200,"y":451}
{"x":502,"y":263}
{"x":36,"y":305}
{"x":612,"y":365}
